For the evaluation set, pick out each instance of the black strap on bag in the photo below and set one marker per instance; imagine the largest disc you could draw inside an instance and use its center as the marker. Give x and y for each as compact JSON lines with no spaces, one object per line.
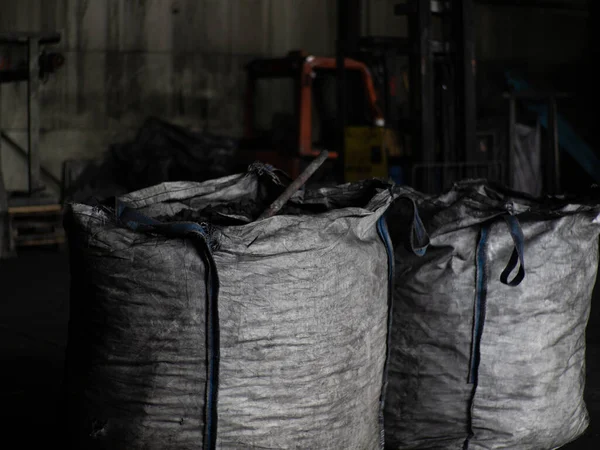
{"x":199,"y":234}
{"x":480,"y":306}
{"x":480,"y":301}
{"x":518,"y":253}
{"x":418,"y":241}
{"x":482,"y":277}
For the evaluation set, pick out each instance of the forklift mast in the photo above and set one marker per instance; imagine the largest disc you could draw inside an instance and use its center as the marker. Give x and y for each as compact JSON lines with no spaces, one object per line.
{"x":290,"y":106}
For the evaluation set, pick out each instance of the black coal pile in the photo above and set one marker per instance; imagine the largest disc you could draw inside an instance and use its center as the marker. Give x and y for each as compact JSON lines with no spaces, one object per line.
{"x":306,"y":202}
{"x":160,"y":152}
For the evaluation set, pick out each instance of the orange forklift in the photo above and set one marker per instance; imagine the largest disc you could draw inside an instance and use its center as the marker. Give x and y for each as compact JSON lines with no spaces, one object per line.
{"x":290,"y":116}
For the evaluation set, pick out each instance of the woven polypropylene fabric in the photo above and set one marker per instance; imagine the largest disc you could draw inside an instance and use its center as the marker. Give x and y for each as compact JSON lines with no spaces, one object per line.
{"x":529,"y":389}
{"x":303,"y":309}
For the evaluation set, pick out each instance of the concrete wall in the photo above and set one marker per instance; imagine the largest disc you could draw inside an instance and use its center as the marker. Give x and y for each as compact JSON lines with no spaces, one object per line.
{"x":504,"y":33}
{"x":535,"y":35}
{"x":183,"y":60}
{"x":127,"y":59}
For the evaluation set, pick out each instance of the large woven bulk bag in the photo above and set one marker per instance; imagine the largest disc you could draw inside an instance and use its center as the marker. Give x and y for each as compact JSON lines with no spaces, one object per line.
{"x":229,"y":333}
{"x":488,"y":340}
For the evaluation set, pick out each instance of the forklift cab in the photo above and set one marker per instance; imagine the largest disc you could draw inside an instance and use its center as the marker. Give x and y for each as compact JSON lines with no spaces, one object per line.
{"x":291,"y":113}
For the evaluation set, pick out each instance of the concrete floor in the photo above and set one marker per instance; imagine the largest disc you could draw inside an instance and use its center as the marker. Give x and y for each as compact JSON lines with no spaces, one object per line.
{"x":33,"y":332}
{"x":34,"y":313}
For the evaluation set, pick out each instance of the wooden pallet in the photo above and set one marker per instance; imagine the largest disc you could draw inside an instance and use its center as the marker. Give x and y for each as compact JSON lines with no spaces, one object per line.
{"x":35,"y":225}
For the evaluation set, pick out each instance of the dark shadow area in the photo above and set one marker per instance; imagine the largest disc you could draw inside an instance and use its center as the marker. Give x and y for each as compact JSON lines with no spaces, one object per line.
{"x":33,"y":332}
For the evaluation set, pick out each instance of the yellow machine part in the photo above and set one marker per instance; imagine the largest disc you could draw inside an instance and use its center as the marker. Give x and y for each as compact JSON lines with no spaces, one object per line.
{"x":367,"y":150}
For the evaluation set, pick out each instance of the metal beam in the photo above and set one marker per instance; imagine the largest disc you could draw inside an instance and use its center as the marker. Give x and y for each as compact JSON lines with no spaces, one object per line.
{"x":554,"y":151}
{"x":22,"y":152}
{"x":512,"y":136}
{"x":422,"y":79}
{"x":348,"y":36}
{"x":3,"y":202}
{"x":465,"y":64}
{"x":24,"y":37}
{"x":541,"y":4}
{"x":340,"y":53}
{"x":33,"y":116}
{"x":3,"y":196}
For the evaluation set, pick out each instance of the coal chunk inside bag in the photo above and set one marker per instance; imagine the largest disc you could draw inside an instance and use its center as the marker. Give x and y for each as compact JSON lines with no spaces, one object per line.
{"x":302,"y":318}
{"x":481,"y":359}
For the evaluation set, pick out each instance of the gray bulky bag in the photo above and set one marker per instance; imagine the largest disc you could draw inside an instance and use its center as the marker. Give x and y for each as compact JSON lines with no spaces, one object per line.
{"x":488,"y":340}
{"x":193,"y":326}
